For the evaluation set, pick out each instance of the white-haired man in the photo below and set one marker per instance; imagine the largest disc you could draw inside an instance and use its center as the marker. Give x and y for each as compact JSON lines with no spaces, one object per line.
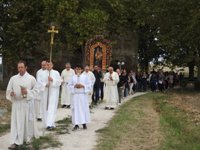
{"x":111,"y":79}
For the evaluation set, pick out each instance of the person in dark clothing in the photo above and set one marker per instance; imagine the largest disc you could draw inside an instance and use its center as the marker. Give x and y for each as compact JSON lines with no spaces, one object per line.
{"x":161,"y":79}
{"x":130,"y":83}
{"x":101,"y":85}
{"x":139,"y":81}
{"x":125,"y":79}
{"x":153,"y":81}
{"x":101,"y":89}
{"x":97,"y":85}
{"x":166,"y":80}
{"x":144,"y":81}
{"x":120,"y":85}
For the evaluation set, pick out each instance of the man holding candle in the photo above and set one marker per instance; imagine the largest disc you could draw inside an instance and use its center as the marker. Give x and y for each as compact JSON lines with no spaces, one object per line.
{"x":20,"y":91}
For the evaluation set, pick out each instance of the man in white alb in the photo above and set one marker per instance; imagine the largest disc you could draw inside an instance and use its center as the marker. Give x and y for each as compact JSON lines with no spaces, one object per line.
{"x":40,"y":77}
{"x":92,"y":78}
{"x":21,"y":91}
{"x":111,"y":97}
{"x":80,"y":85}
{"x":66,"y":75}
{"x":51,"y":94}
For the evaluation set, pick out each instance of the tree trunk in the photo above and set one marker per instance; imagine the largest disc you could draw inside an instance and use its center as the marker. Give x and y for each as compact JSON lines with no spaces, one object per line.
{"x":198,"y":71}
{"x":83,"y":54}
{"x":191,"y":70}
{"x":146,"y":66}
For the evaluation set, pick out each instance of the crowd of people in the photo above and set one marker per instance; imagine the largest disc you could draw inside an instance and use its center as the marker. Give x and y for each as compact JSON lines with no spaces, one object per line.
{"x":156,"y":80}
{"x":36,"y":99}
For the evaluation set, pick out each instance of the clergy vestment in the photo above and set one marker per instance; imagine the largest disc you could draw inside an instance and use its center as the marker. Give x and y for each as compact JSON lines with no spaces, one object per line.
{"x":51,"y":96}
{"x":40,"y":77}
{"x":23,"y":125}
{"x":80,"y":106}
{"x":92,"y":79}
{"x":66,"y":75}
{"x":110,"y":89}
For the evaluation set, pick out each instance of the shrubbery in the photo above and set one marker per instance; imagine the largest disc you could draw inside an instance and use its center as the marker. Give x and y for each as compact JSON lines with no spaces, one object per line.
{"x":197,"y":85}
{"x":184,"y":83}
{"x":3,"y":85}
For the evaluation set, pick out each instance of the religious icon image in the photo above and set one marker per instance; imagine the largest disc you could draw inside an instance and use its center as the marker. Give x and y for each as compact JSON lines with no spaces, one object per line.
{"x":98,"y":52}
{"x":98,"y":56}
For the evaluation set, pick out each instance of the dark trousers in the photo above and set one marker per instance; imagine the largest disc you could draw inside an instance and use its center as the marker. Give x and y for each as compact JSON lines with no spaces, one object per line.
{"x":101,"y":88}
{"x":120,"y":93}
{"x":144,"y":84}
{"x":126,"y":91}
{"x":134,"y":87}
{"x":95,"y":95}
{"x":160,"y":87}
{"x":153,"y":86}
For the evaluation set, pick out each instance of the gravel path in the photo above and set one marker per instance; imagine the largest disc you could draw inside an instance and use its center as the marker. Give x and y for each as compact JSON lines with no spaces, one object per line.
{"x":81,"y":139}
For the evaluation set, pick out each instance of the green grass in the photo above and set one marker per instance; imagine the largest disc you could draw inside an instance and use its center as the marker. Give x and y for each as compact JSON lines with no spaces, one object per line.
{"x":62,"y":126}
{"x":177,"y":130}
{"x":5,"y":120}
{"x":48,"y":140}
{"x":180,"y":132}
{"x":4,"y":128}
{"x":41,"y":143}
{"x":120,"y":125}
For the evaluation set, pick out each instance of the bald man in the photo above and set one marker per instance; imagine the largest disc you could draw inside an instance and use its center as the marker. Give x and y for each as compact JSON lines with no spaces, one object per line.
{"x":111,"y":97}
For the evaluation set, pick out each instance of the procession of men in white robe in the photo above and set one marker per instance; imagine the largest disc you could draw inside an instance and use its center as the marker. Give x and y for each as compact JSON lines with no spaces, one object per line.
{"x":76,"y":88}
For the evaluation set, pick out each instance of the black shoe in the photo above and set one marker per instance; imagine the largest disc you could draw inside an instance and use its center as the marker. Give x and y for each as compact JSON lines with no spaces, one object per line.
{"x":48,"y":128}
{"x":84,"y":126}
{"x":51,"y":128}
{"x":68,"y":106}
{"x":76,"y":127}
{"x":112,"y":108}
{"x":64,"y":106}
{"x":13,"y":146}
{"x":39,"y":119}
{"x":106,"y":108}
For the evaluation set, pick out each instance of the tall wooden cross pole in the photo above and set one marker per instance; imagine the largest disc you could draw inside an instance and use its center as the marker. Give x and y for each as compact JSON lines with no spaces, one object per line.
{"x":52,"y":31}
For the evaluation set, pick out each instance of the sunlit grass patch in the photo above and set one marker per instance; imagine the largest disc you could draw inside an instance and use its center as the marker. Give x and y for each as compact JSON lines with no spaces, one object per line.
{"x":50,"y":140}
{"x":5,"y":116}
{"x":180,"y":132}
{"x":4,"y":127}
{"x":62,"y":126}
{"x":41,"y":143}
{"x":177,"y":129}
{"x":121,"y":125}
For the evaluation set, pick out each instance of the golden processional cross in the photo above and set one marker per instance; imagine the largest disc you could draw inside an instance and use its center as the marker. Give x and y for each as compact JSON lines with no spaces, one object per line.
{"x":52,"y":31}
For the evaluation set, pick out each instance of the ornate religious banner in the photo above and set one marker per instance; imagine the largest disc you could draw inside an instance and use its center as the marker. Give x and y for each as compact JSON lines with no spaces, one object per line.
{"x":98,"y":52}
